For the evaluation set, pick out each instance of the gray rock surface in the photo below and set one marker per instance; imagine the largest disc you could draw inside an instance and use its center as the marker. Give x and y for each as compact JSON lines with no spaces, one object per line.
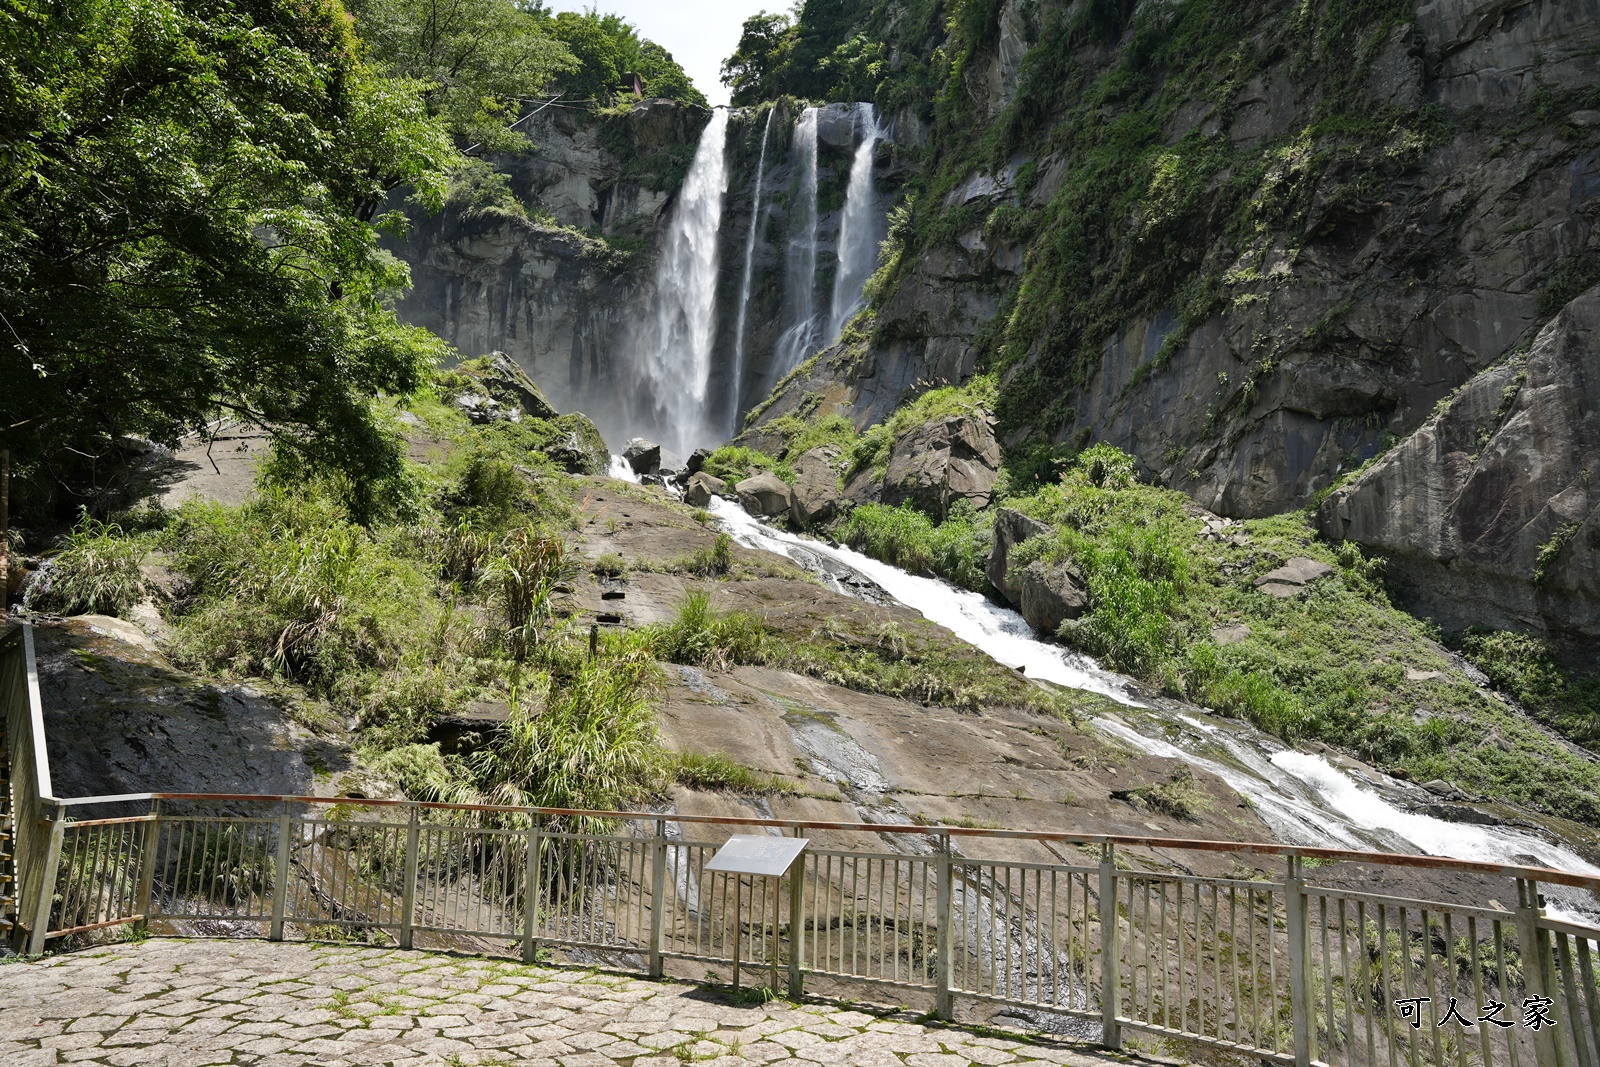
{"x":1052,"y":593}
{"x":816,"y":487}
{"x":1490,"y":513}
{"x":1011,"y":528}
{"x":951,"y":458}
{"x":509,"y":384}
{"x":765,"y":495}
{"x":702,"y":487}
{"x":1292,"y":578}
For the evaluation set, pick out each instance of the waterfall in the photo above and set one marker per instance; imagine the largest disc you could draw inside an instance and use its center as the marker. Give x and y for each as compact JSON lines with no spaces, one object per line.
{"x":800,"y":260}
{"x":858,"y":230}
{"x":676,"y":363}
{"x":736,"y":373}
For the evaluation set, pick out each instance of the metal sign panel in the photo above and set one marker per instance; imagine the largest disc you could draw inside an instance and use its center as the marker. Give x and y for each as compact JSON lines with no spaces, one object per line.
{"x":750,"y":854}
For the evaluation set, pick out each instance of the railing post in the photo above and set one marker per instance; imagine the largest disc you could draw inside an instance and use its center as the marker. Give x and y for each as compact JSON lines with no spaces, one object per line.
{"x":280,"y":873}
{"x":658,"y":898}
{"x":47,"y":881}
{"x":1301,"y":1009}
{"x":797,"y":922}
{"x":943,"y":935}
{"x":1538,"y":968}
{"x":147,"y":865}
{"x":531,"y":895}
{"x":408,"y":892}
{"x":1110,"y":951}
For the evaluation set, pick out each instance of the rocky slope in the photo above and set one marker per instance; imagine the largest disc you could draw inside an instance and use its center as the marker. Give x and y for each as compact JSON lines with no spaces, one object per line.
{"x":1253,"y":244}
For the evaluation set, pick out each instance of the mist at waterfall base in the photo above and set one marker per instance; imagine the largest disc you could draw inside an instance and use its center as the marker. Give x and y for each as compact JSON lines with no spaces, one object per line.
{"x":688,"y":364}
{"x":1304,"y":798}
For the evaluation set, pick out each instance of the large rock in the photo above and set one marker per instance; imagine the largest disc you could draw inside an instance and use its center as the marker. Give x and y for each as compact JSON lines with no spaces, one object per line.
{"x":1292,"y":578}
{"x":1052,"y":593}
{"x":643,"y":457}
{"x":1490,"y":512}
{"x":945,"y":460}
{"x":816,"y":487}
{"x":864,"y":487}
{"x":575,"y":443}
{"x":508,"y":383}
{"x":765,"y":495}
{"x":702,"y":487}
{"x":1011,"y":528}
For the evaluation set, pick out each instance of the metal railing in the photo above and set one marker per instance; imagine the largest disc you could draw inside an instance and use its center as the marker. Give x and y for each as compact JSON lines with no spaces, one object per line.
{"x":29,"y":784}
{"x":1111,"y":935}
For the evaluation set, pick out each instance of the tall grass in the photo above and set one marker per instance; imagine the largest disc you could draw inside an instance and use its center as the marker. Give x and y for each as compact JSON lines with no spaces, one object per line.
{"x":956,"y":549}
{"x":701,"y":636}
{"x":96,"y":573}
{"x":523,"y":583}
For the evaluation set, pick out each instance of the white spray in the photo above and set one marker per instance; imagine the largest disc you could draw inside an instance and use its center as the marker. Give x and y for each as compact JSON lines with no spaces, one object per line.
{"x":801,"y":258}
{"x":676,"y":364}
{"x":736,"y":375}
{"x":858,"y":229}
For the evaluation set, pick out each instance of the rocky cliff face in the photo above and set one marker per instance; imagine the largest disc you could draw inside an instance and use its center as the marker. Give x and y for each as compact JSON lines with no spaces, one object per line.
{"x":1253,"y":244}
{"x":1252,"y":367}
{"x":1490,"y":511}
{"x":556,"y":291}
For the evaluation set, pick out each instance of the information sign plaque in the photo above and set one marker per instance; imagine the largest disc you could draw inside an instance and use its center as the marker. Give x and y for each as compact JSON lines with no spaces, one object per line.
{"x":751,"y":854}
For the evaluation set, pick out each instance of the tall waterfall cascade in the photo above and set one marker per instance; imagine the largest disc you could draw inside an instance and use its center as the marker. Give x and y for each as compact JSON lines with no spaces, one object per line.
{"x":800,"y":274}
{"x":859,"y":229}
{"x":675,"y":366}
{"x":736,"y":376}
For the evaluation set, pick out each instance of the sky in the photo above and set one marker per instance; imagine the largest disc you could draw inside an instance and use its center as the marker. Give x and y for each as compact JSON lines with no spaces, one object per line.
{"x":700,"y":34}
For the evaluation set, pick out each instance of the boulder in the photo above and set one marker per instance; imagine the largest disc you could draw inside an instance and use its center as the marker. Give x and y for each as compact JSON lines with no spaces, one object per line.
{"x":1052,"y":593}
{"x":1292,"y":578}
{"x":643,"y":457}
{"x":864,"y":487}
{"x":1489,"y":514}
{"x":941,"y":462}
{"x":765,"y":495}
{"x":697,"y":460}
{"x":505,"y":380}
{"x":1011,"y":528}
{"x":816,"y":487}
{"x":575,"y":443}
{"x":702,"y":487}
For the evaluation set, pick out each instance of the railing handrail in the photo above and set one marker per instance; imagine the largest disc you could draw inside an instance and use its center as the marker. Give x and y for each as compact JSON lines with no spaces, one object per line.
{"x":39,"y":753}
{"x":1546,"y":875}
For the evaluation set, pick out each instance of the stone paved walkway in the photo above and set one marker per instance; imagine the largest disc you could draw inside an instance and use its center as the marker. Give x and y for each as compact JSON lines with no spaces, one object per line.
{"x":171,"y":1003}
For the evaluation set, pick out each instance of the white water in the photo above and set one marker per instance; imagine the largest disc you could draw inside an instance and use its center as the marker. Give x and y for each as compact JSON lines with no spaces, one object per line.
{"x":736,"y":377}
{"x":800,"y":259}
{"x":1304,"y":799}
{"x":858,"y":228}
{"x":676,"y":357}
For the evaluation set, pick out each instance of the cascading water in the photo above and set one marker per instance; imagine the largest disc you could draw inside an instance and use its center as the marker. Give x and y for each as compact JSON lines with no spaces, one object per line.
{"x":675,"y":361}
{"x":800,"y":259}
{"x":1303,"y":797}
{"x":858,"y":229}
{"x":736,"y":373}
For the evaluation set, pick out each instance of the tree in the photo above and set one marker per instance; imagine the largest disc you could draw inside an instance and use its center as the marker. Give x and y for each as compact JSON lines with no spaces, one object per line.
{"x":764,"y":46}
{"x":476,"y":58}
{"x":598,"y":70}
{"x":182,"y":231}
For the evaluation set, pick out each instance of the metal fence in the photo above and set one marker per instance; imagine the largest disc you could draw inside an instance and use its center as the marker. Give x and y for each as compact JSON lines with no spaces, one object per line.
{"x":1107,"y":935}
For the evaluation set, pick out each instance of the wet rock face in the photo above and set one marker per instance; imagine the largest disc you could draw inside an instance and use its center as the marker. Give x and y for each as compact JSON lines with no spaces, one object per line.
{"x":948,"y":459}
{"x":1490,"y":512}
{"x":643,"y":457}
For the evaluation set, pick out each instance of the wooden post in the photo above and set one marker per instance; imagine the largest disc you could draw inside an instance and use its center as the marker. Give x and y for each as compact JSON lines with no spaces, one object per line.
{"x":943,"y":936}
{"x":280,"y":889}
{"x":5,"y":529}
{"x":1538,"y":969}
{"x":47,"y":882}
{"x":147,"y":861}
{"x":408,"y":892}
{"x":658,"y":899}
{"x":1110,"y":952}
{"x":1300,"y":1006}
{"x":533,"y":894}
{"x":797,"y":925}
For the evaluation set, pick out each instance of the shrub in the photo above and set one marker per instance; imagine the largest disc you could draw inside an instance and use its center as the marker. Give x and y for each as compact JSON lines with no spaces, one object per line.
{"x":712,"y":561}
{"x":97,"y":573}
{"x":610,"y":565}
{"x":702,"y":637}
{"x":523,"y":583}
{"x":1524,"y":667}
{"x":735,"y":463}
{"x":716,"y":772}
{"x":956,"y":550}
